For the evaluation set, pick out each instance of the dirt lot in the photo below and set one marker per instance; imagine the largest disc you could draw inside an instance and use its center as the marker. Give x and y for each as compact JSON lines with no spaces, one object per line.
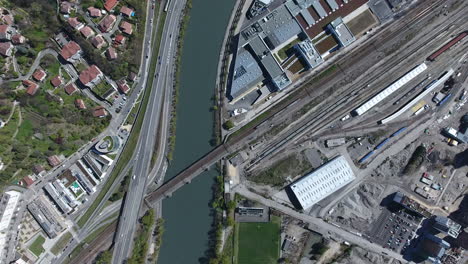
{"x":362,"y":22}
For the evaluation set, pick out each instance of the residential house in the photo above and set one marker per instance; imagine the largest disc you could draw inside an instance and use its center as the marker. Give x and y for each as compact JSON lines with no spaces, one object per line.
{"x":126,"y":27}
{"x":126,"y":11}
{"x":119,"y":40}
{"x":132,"y":76}
{"x":98,"y":41}
{"x":6,"y":18}
{"x":53,"y":160}
{"x":70,"y":88}
{"x":39,"y":75}
{"x":106,"y":24}
{"x":123,"y":86}
{"x":75,"y":23}
{"x":38,"y":169}
{"x":27,"y":181}
{"x":87,"y":32}
{"x":79,"y":103}
{"x":91,"y":76}
{"x":18,"y":39}
{"x":56,"y":81}
{"x":94,"y":12}
{"x":65,"y":7}
{"x":5,"y":32}
{"x":110,"y":4}
{"x":6,"y":49}
{"x":111,"y":54}
{"x":99,"y":111}
{"x":71,"y":52}
{"x":31,"y":87}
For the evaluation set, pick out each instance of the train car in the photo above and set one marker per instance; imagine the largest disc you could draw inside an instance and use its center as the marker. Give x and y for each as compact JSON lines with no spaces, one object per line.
{"x":447,"y":46}
{"x":399,"y":131}
{"x":443,"y":101}
{"x":363,"y":159}
{"x":381,"y":144}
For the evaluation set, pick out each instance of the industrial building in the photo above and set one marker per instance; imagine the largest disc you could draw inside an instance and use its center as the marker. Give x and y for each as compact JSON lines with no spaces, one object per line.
{"x":254,"y":61}
{"x":447,"y":226}
{"x":321,"y":183}
{"x":341,"y":32}
{"x":390,"y":89}
{"x":308,"y":52}
{"x":273,"y":24}
{"x":410,"y":205}
{"x":432,"y":248}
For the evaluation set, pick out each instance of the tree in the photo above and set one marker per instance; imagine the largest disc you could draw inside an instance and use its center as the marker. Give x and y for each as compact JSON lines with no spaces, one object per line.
{"x":228,"y":125}
{"x":104,"y":257}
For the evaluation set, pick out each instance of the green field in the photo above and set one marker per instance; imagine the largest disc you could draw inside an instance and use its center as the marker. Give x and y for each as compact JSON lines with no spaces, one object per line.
{"x":36,"y":246}
{"x":258,"y":243}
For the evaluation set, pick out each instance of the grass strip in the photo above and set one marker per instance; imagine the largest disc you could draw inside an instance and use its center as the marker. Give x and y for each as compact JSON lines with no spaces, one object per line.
{"x":130,"y":146}
{"x":61,"y":243}
{"x":36,"y":246}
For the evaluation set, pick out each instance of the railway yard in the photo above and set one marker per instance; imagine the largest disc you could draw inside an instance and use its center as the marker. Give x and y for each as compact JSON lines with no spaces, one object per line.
{"x":407,"y":141}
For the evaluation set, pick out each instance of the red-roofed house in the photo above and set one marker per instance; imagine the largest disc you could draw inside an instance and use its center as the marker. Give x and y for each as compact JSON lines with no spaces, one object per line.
{"x":8,"y":18}
{"x":91,"y":76}
{"x":5,"y":32}
{"x":94,"y":12}
{"x":111,"y":54}
{"x":119,"y":40}
{"x":87,"y":32}
{"x":98,"y":41}
{"x":53,"y":160}
{"x":71,"y":51}
{"x":79,"y":103}
{"x":56,"y":81}
{"x":27,"y":181}
{"x":65,"y":7}
{"x":6,"y":48}
{"x":123,"y":86}
{"x":106,"y":24}
{"x":99,"y":111}
{"x":75,"y":23}
{"x":18,"y":39}
{"x":110,"y":4}
{"x":70,"y":88}
{"x":31,"y":87}
{"x":126,"y":27}
{"x":39,"y":75}
{"x":126,"y":11}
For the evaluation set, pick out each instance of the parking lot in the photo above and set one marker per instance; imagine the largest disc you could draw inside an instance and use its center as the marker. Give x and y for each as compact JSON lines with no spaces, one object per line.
{"x":394,"y":230}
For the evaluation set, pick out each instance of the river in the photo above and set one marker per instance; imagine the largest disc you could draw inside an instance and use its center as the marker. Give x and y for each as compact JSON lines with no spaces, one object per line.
{"x":187,"y":213}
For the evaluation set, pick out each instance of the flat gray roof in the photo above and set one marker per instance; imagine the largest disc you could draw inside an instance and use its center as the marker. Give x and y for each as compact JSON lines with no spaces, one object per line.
{"x":333,"y":5}
{"x":342,"y":32}
{"x":260,"y":49}
{"x":319,"y":8}
{"x":307,"y":17}
{"x":308,"y":51}
{"x":247,"y":72}
{"x":278,"y":26}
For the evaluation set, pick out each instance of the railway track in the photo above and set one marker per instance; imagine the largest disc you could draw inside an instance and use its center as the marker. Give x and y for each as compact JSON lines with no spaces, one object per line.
{"x":336,"y":109}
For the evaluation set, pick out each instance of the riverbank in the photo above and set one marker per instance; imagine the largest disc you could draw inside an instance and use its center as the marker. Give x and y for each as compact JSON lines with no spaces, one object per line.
{"x":187,"y":213}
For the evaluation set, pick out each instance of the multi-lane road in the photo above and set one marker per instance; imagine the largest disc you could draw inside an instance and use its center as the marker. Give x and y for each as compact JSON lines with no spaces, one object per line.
{"x":158,"y":110}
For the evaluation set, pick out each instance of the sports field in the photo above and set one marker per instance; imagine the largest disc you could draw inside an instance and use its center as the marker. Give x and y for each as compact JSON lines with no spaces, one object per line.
{"x":258,"y":243}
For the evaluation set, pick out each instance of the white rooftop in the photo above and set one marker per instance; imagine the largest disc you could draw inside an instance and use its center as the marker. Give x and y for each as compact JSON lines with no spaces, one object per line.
{"x":322,"y":182}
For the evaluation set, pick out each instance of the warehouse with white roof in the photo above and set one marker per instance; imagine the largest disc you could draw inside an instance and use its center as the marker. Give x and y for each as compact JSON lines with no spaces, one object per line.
{"x":390,"y":89}
{"x":321,"y":183}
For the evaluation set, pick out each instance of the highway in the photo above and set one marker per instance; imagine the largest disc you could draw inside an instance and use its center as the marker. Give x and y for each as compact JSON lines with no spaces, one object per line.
{"x":159,"y":97}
